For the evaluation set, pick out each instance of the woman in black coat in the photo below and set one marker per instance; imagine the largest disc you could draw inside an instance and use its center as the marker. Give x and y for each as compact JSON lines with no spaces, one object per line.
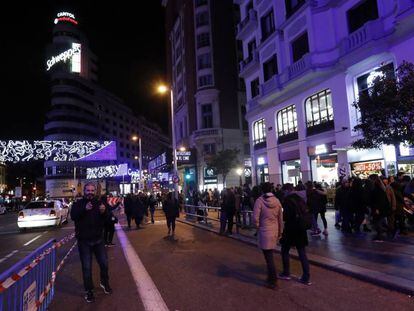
{"x":171,"y":209}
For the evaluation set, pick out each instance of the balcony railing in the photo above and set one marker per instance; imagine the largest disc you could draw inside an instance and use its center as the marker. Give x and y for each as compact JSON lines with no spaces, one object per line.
{"x":206,"y":132}
{"x":287,"y":137}
{"x":248,"y":64}
{"x":300,"y":66}
{"x":247,"y":24}
{"x":270,"y":85}
{"x":371,"y":30}
{"x":319,"y":128}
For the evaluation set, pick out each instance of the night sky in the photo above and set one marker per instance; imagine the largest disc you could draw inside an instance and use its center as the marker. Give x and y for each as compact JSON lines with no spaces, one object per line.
{"x":129,"y":43}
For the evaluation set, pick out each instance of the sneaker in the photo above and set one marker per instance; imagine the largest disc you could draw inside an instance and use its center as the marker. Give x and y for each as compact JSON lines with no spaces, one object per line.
{"x":315,"y":233}
{"x":306,"y":282}
{"x":107,"y":289}
{"x":283,"y":276}
{"x":377,"y":240}
{"x":110,"y":244}
{"x":337,"y":226}
{"x":89,"y":297}
{"x":325,"y":232}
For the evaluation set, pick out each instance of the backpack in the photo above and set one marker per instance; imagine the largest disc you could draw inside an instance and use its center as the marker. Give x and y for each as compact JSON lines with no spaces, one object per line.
{"x":304,"y":217}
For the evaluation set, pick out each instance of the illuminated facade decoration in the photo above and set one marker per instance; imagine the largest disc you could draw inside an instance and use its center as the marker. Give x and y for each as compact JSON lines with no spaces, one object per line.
{"x":107,"y":171}
{"x":24,"y":150}
{"x":72,"y":54}
{"x":65,"y":17}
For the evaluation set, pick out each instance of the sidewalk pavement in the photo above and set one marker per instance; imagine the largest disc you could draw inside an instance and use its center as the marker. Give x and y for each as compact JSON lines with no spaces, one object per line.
{"x":389,"y":264}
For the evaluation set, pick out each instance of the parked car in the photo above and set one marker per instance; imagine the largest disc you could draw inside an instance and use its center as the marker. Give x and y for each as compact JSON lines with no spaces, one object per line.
{"x":42,"y":214}
{"x":3,"y":209}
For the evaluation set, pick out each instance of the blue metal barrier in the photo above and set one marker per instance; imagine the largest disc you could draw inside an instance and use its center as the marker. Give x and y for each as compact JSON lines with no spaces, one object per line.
{"x":20,"y":290}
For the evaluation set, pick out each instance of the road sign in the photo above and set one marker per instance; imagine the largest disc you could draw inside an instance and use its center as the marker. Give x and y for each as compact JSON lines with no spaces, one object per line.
{"x":175,"y":179}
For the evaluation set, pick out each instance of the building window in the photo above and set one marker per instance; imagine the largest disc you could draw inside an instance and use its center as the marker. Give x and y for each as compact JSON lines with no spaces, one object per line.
{"x":268,"y":25}
{"x":204,"y":61}
{"x":202,"y":19}
{"x":203,"y":40}
{"x":292,"y":6}
{"x":270,"y":68}
{"x":365,"y":11}
{"x":287,"y":121}
{"x":300,"y":47}
{"x":205,"y":80}
{"x":255,"y":87}
{"x":209,"y":148}
{"x":200,"y":3}
{"x":251,"y":47}
{"x":319,"y":108}
{"x":207,"y":116}
{"x":259,"y":132}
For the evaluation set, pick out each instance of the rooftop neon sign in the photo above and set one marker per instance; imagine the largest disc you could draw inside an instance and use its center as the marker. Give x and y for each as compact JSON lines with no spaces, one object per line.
{"x":65,"y":17}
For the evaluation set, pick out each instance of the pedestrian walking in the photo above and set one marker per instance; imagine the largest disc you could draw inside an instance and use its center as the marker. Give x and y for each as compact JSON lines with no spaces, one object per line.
{"x":267,"y":215}
{"x":380,"y":207}
{"x":294,"y":233}
{"x":128,"y":208}
{"x":228,"y":210}
{"x":152,"y":203}
{"x":316,"y":200}
{"x":171,"y":209}
{"x":89,"y":215}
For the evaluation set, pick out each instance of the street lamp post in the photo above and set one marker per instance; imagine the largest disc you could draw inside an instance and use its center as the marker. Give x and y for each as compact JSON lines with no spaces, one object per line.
{"x":135,"y":138}
{"x":163,"y":89}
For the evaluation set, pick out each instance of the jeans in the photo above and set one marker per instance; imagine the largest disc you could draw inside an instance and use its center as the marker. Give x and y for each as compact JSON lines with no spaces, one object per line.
{"x":171,"y":223}
{"x":152,"y":211}
{"x":86,"y":249}
{"x":271,"y":268}
{"x":303,"y":260}
{"x":315,"y":221}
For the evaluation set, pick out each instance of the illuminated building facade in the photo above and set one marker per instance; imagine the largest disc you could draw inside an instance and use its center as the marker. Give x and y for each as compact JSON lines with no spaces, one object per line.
{"x":82,"y":110}
{"x":305,"y":62}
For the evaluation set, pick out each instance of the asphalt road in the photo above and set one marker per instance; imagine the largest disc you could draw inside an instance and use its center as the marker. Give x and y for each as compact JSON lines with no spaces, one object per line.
{"x":15,"y":245}
{"x":199,"y":270}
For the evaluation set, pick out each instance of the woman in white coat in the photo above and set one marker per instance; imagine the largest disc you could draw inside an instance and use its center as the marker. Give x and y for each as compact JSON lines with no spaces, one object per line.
{"x":268,"y":219}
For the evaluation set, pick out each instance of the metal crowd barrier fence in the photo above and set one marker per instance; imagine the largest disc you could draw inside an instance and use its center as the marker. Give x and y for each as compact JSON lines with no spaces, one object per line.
{"x":29,"y":284}
{"x":243,"y":217}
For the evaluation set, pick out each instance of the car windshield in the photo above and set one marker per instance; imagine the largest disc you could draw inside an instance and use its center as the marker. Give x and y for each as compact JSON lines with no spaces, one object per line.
{"x":36,"y":205}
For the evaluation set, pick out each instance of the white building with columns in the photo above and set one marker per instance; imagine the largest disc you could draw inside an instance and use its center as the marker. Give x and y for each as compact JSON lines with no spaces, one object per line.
{"x":305,"y":62}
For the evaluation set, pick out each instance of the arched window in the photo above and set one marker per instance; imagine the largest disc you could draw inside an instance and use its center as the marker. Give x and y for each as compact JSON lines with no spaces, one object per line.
{"x":319,"y":110}
{"x":287,"y":121}
{"x":259,"y":132}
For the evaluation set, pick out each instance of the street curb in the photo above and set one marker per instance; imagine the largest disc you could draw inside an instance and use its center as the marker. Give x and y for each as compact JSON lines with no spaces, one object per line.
{"x":387,"y":281}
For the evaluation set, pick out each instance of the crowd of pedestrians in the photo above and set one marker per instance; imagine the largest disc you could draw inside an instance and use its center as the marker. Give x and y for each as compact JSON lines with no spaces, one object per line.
{"x":284,"y":213}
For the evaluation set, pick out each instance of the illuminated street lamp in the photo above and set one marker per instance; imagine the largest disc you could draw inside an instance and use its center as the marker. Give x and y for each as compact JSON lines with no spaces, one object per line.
{"x":239,"y":172}
{"x":162,"y":89}
{"x":135,"y":138}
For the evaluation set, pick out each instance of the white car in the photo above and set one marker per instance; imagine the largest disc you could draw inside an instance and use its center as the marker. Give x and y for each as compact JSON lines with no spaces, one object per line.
{"x":3,"y":209}
{"x":42,"y":214}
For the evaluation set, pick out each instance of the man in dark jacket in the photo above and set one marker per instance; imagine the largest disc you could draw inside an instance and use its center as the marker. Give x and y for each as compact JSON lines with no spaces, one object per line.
{"x":228,"y":209}
{"x":89,"y":216}
{"x":294,"y":233}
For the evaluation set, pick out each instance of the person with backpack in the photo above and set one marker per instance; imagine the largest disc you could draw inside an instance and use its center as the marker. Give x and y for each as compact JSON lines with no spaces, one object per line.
{"x":267,"y":215}
{"x":171,"y":210}
{"x":297,"y":221}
